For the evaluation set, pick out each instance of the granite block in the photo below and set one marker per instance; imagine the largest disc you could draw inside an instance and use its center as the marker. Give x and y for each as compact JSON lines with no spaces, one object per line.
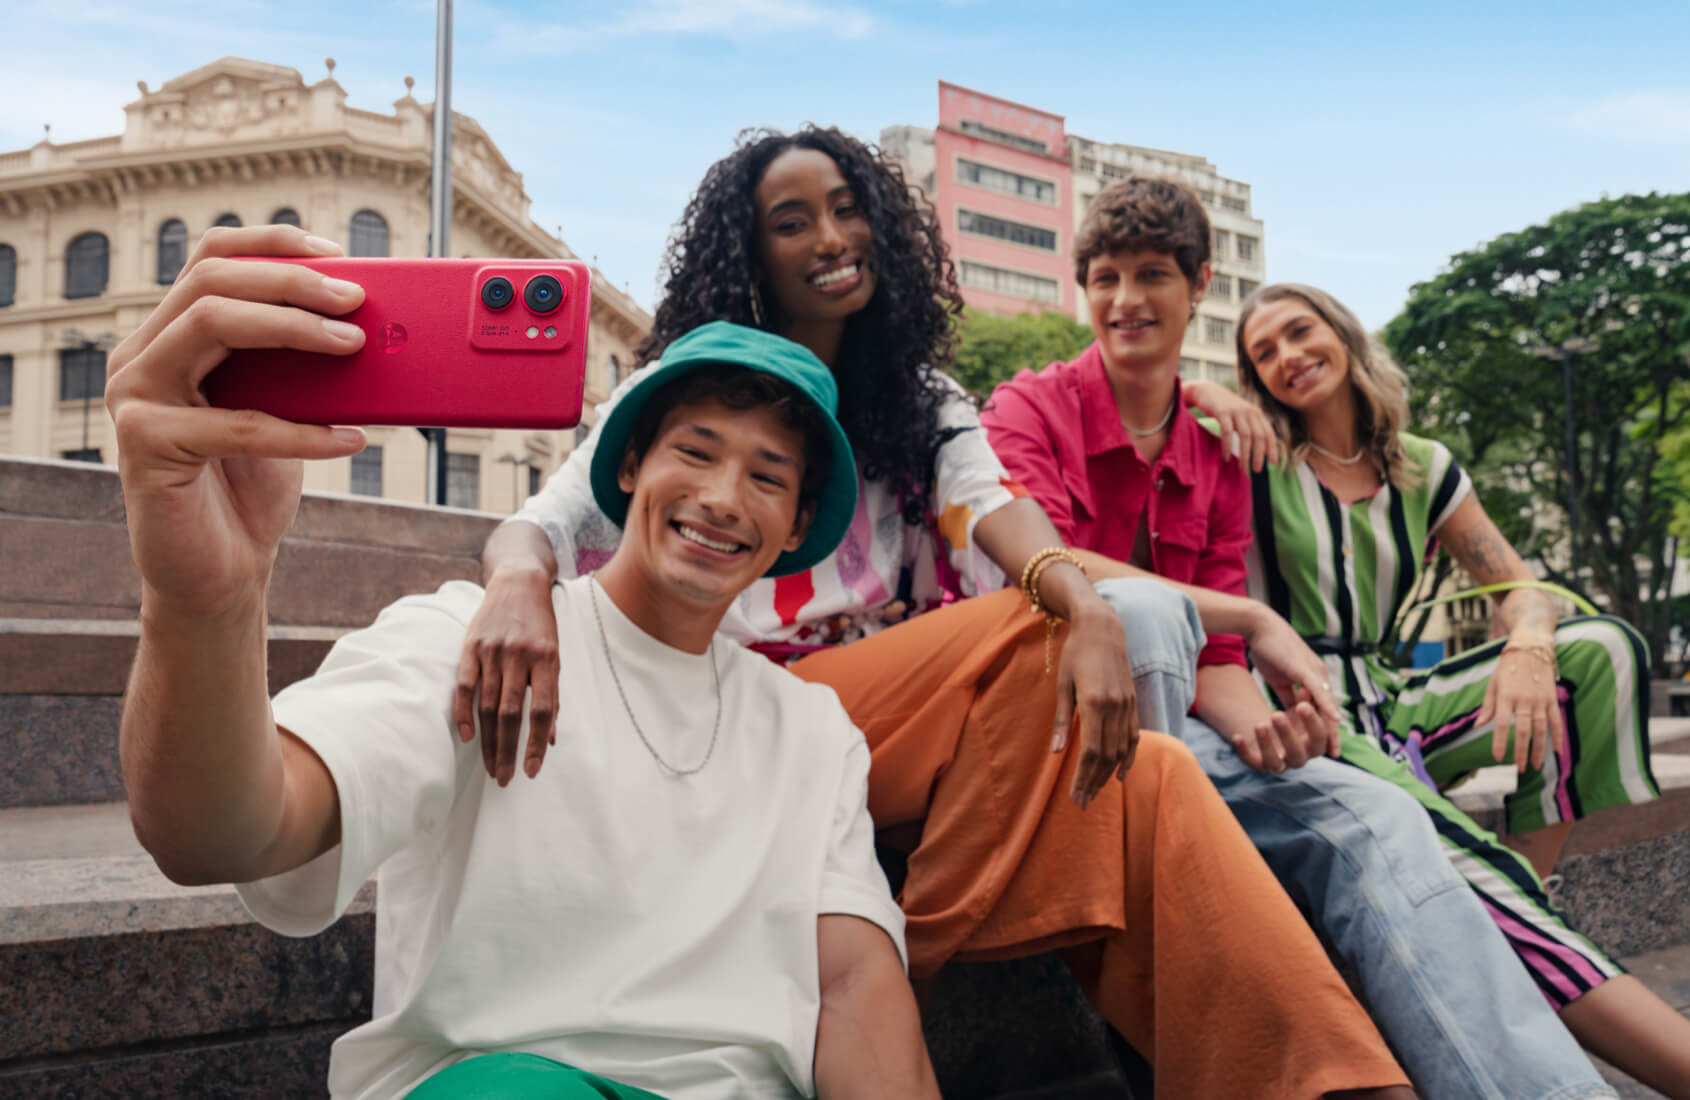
{"x":103,"y":952}
{"x":1633,"y":899}
{"x":1001,"y":1029}
{"x":78,"y":491}
{"x":59,"y":750}
{"x":92,"y":656}
{"x":261,"y":1065}
{"x":101,"y":991}
{"x":78,"y":568}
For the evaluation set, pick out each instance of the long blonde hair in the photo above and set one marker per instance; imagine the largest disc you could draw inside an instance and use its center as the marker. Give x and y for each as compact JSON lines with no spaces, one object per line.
{"x":1380,"y":386}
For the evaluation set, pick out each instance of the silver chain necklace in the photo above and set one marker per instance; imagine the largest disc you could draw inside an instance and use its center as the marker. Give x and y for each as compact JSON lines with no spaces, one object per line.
{"x":1351,"y":461}
{"x":715,"y":728}
{"x":1167,"y":416}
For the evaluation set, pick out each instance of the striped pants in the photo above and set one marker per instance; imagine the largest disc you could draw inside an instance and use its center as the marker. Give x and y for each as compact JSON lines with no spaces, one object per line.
{"x":1603,"y":762}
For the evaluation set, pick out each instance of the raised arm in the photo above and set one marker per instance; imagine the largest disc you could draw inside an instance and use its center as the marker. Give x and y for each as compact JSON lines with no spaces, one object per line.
{"x":216,"y":791}
{"x":1521,"y":696}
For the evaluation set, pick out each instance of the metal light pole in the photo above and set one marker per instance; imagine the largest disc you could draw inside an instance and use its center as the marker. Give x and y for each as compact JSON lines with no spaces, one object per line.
{"x":76,"y":341}
{"x":440,"y":208}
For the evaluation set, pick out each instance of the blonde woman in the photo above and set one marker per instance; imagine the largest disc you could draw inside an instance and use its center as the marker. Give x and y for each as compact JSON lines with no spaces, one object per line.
{"x":1342,"y":529}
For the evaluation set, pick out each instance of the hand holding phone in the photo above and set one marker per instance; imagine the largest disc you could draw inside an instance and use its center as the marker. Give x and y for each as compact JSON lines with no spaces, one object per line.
{"x":447,"y":343}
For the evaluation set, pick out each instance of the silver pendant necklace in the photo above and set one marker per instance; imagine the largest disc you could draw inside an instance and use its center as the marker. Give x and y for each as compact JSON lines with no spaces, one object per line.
{"x":715,"y":728}
{"x":1167,"y":416}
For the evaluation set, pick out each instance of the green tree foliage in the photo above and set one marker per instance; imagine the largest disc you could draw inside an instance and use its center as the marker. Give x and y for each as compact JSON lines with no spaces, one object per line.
{"x":1611,"y":278}
{"x":992,"y":347}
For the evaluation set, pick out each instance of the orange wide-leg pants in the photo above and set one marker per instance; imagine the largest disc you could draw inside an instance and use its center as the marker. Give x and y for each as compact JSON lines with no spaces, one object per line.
{"x":1174,"y":926}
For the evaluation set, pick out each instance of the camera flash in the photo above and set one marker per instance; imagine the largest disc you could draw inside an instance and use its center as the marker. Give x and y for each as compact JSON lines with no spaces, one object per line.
{"x":533,"y":331}
{"x":551,"y":332}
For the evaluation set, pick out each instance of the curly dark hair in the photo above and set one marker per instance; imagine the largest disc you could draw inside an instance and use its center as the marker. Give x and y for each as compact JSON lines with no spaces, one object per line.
{"x":893,"y":350}
{"x":1155,"y":213}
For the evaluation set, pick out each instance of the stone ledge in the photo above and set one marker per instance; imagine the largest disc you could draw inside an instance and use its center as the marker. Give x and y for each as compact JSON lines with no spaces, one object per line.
{"x":60,"y":749}
{"x":93,"y":656}
{"x":106,"y":952}
{"x":261,"y":1065}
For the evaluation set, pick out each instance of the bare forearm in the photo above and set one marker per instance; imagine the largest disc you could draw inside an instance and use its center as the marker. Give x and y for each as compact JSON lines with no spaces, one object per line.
{"x":1229,"y":700}
{"x":201,"y":757}
{"x":1220,"y":612}
{"x":1528,"y":614}
{"x":518,"y":548}
{"x":869,"y":1042}
{"x":1011,"y":536}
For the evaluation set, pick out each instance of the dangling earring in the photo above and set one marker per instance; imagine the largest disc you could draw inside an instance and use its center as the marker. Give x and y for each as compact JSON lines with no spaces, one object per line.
{"x":757,"y":308}
{"x":1193,"y":316}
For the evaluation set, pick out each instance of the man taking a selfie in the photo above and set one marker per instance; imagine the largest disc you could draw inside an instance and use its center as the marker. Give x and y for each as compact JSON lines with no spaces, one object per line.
{"x":690,"y":907}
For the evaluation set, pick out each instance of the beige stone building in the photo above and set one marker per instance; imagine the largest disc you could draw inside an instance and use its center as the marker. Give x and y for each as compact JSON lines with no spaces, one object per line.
{"x":1238,"y":260}
{"x":93,"y":232}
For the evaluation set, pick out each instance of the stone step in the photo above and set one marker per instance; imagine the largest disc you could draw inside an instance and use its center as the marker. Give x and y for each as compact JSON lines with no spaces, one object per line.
{"x":60,"y":685}
{"x":256,"y":1065}
{"x":67,"y":550}
{"x":86,"y":913}
{"x":99,"y":951}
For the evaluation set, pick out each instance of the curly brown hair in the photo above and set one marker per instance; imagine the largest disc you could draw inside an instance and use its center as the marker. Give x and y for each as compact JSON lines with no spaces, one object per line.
{"x":1144,"y":213}
{"x":894,"y":349}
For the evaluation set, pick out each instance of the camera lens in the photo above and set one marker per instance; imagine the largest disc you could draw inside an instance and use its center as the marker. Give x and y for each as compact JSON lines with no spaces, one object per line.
{"x":497,"y":292}
{"x":543,"y":293}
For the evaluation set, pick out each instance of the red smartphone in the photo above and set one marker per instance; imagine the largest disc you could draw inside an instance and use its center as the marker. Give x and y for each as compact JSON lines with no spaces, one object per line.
{"x":448,"y":344}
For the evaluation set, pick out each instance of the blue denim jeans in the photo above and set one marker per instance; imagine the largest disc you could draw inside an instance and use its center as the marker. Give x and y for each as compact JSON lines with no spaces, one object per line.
{"x":1362,"y":859}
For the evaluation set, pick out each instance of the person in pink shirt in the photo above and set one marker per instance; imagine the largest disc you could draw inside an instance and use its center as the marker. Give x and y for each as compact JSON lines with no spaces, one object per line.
{"x":1139,"y":488}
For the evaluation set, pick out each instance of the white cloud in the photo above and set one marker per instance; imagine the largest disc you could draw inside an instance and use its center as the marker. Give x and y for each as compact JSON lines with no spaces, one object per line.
{"x":744,"y":20}
{"x":1659,"y":115}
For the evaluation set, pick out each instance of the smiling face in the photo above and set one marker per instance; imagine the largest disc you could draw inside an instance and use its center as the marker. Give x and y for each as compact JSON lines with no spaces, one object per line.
{"x":813,"y":242}
{"x":1301,"y":360}
{"x":715,"y":500}
{"x":1140,"y":303}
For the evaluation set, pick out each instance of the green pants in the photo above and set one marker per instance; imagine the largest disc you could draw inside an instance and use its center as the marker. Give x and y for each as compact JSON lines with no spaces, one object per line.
{"x":519,"y":1077}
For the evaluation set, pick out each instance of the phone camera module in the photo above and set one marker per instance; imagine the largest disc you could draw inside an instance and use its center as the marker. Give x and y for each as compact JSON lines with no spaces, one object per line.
{"x":497,"y":293}
{"x":543,"y":294}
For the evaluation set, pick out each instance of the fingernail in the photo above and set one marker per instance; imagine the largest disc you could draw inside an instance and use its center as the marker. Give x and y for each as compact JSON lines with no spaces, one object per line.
{"x":464,"y":732}
{"x":356,"y":435}
{"x":1056,"y":743}
{"x":340,"y":288}
{"x":340,"y":330}
{"x":322,"y":246}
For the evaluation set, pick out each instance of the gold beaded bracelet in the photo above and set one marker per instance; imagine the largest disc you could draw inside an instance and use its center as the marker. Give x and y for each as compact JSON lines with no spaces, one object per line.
{"x":1543,"y":651}
{"x":1030,"y":575}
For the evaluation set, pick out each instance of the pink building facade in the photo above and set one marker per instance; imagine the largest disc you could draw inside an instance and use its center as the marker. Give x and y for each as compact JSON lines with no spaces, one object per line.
{"x":1004,"y":194}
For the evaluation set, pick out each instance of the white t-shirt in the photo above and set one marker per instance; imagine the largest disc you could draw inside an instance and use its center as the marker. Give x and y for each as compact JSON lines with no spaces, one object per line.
{"x":657,"y":929}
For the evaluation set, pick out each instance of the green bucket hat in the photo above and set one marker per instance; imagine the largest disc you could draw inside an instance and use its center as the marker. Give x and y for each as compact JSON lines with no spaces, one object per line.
{"x":723,"y":342}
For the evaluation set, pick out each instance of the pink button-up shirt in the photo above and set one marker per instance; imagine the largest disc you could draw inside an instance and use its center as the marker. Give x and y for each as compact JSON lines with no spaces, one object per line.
{"x":1060,"y":435}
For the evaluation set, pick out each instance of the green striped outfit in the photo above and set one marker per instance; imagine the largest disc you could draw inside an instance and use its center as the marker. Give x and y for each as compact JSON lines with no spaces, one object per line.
{"x":1341,"y":574}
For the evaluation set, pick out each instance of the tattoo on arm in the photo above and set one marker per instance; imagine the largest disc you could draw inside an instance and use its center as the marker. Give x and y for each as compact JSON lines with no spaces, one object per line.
{"x":1485,"y":555}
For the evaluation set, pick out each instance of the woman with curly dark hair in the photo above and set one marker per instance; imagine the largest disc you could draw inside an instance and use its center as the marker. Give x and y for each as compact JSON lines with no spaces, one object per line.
{"x":1021,"y":838}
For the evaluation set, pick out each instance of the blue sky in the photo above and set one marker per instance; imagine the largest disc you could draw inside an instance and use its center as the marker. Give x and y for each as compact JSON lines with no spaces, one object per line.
{"x":1378,"y":142}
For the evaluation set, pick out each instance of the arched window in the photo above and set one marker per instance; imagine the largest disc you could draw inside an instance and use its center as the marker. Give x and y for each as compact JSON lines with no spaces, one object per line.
{"x":8,"y":274}
{"x":287,"y":215}
{"x":172,"y":250}
{"x":369,"y":234}
{"x":87,"y":264}
{"x":228,"y":221}
{"x":615,"y":372}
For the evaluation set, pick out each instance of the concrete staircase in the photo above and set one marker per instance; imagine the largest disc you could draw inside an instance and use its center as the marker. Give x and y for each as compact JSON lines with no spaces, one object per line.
{"x":118,"y":983}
